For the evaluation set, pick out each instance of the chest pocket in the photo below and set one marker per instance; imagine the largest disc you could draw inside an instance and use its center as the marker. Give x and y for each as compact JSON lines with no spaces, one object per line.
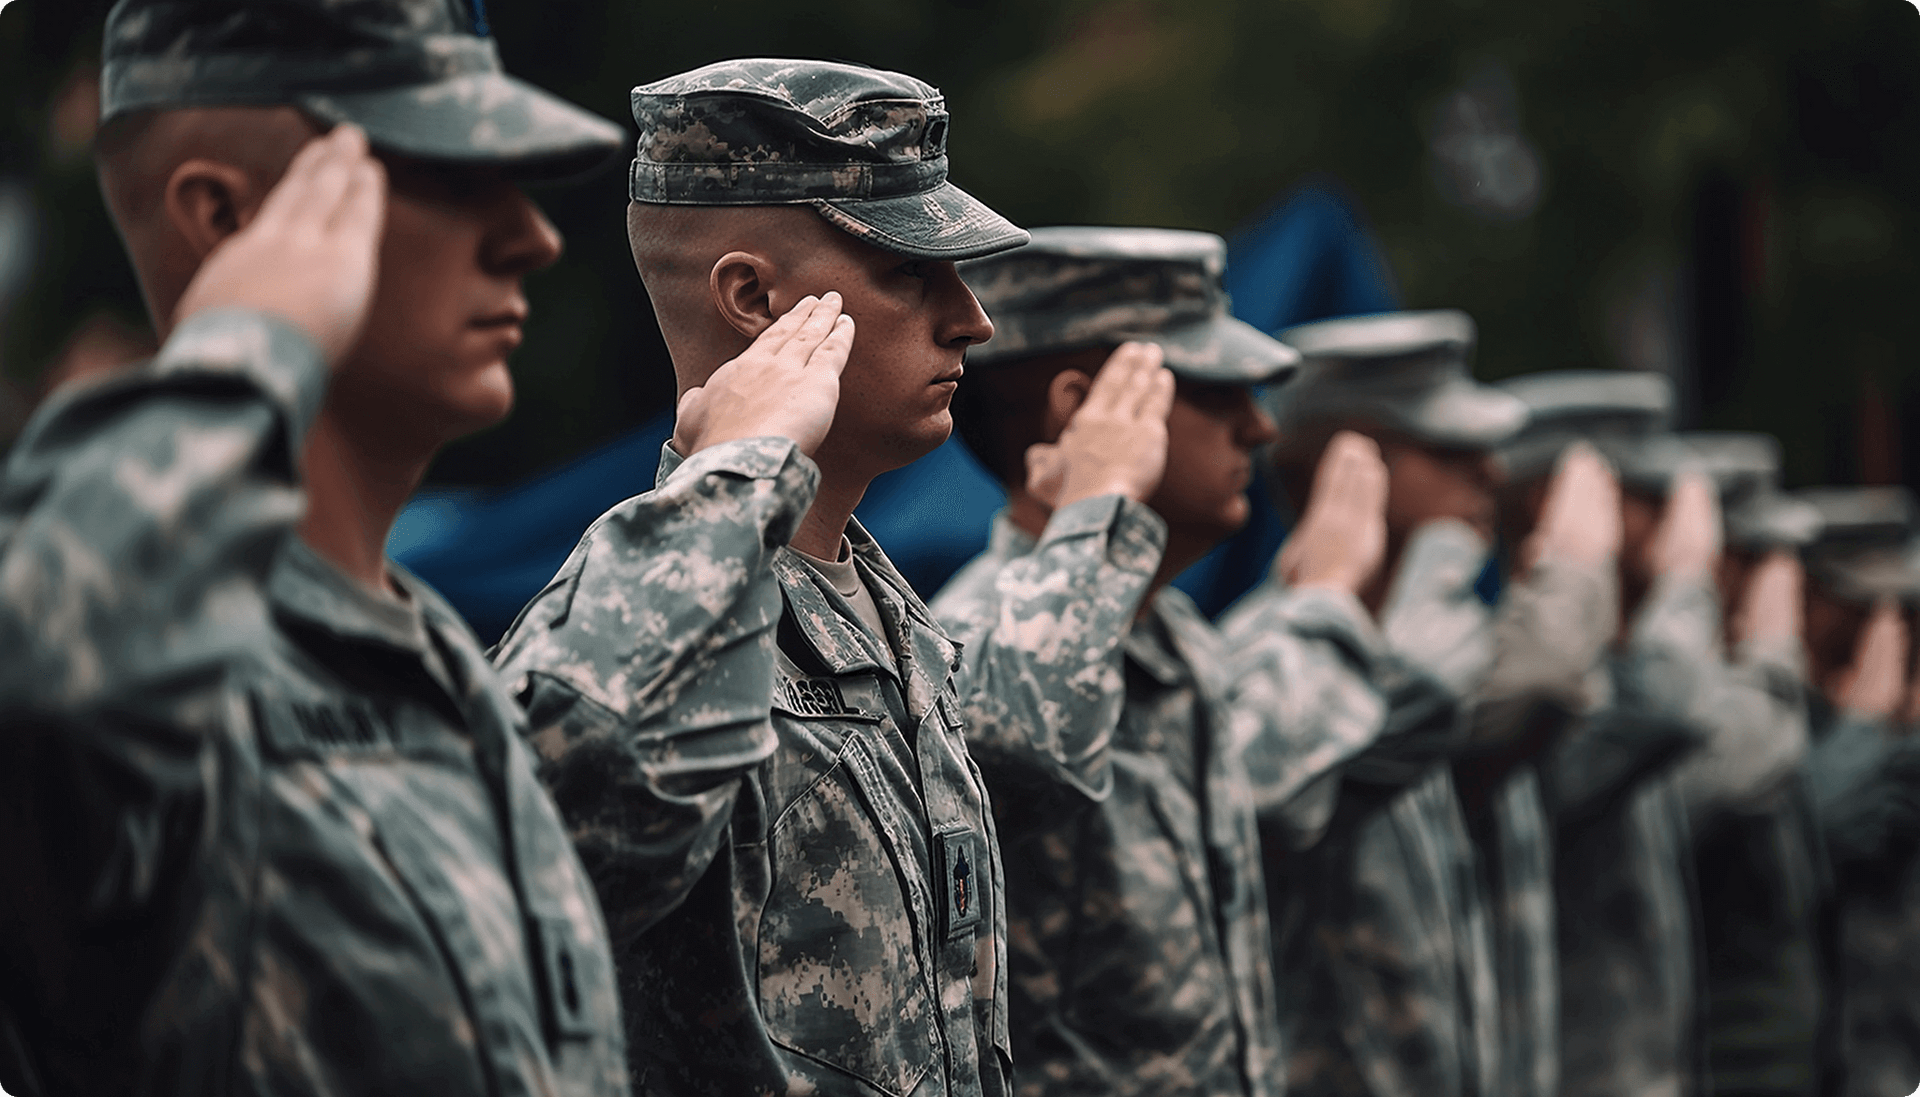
{"x":840,"y":976}
{"x":395,"y":799}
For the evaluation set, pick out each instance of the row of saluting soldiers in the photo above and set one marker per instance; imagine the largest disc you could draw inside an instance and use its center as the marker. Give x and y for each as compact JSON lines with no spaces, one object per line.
{"x":731,"y":810}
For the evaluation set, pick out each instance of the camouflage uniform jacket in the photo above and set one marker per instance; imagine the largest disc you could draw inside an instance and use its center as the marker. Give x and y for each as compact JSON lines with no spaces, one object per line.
{"x":1520,"y":675}
{"x":1863,"y":777}
{"x":1136,"y":906}
{"x":267,"y":832}
{"x":1380,"y":958}
{"x":1629,"y":967}
{"x":804,"y":870}
{"x":1764,"y":885}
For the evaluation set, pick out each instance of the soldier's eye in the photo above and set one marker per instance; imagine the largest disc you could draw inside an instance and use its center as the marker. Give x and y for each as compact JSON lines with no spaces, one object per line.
{"x":914,"y":268}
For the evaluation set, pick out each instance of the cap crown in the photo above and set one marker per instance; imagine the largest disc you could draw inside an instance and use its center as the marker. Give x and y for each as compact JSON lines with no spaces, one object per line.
{"x":765,"y":131}
{"x":1075,"y":287}
{"x":1863,"y":515}
{"x":1619,"y":412}
{"x":1405,"y":371}
{"x":174,"y":53}
{"x":1594,"y":401}
{"x":1865,"y":550}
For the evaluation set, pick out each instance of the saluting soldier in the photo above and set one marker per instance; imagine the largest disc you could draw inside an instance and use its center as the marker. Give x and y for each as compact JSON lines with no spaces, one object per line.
{"x":803,"y":882}
{"x":1863,"y":779}
{"x":270,"y":823}
{"x":1104,"y":709}
{"x":1417,"y":937}
{"x":1672,"y":725}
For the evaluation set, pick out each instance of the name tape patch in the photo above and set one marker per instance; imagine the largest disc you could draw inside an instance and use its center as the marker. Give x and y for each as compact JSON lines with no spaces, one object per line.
{"x":814,"y":697}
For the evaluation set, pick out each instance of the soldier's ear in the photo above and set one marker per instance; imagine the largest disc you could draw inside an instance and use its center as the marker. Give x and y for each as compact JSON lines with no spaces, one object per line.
{"x":1065,"y":393}
{"x":207,"y":201}
{"x":741,"y":285}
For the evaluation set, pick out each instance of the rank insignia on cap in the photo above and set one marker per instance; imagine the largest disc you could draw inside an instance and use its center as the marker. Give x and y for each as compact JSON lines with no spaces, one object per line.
{"x":960,"y":863}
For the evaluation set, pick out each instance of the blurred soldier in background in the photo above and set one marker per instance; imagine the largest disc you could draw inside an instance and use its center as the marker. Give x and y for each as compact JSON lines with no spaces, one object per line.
{"x":1760,"y":874}
{"x":814,"y":906}
{"x":1622,"y":884}
{"x":1415,"y":940}
{"x":1863,"y":778}
{"x":269,"y":823}
{"x":1102,"y":706}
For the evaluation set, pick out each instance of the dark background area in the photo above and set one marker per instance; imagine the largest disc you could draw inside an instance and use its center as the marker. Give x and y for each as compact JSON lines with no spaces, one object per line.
{"x":1725,"y":192}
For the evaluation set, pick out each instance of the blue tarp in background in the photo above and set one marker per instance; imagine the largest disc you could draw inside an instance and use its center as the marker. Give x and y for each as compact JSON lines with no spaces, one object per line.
{"x":1306,"y":258}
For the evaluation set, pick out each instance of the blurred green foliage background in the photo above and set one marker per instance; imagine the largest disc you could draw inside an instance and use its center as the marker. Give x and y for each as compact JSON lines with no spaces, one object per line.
{"x":1724,"y":191}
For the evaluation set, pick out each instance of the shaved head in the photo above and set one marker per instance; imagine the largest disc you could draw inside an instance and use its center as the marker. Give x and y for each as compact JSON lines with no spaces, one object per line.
{"x":676,"y":248}
{"x":141,"y":157}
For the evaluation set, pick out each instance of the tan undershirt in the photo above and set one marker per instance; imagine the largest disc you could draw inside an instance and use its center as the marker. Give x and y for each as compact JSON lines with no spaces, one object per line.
{"x":844,"y":577}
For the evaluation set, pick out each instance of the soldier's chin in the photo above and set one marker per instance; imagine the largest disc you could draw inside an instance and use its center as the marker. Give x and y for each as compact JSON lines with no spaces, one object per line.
{"x":479,"y":401}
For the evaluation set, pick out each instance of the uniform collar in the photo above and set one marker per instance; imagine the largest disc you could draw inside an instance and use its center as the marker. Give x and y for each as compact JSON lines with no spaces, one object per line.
{"x":307,"y":590}
{"x":923,"y":658}
{"x":310,"y":589}
{"x":1152,"y":645}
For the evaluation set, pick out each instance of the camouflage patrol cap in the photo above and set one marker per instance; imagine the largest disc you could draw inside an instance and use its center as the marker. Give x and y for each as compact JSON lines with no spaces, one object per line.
{"x":865,"y":147}
{"x":1865,"y":550}
{"x":420,"y":76}
{"x":1619,"y":412}
{"x":1078,"y":287}
{"x":1402,"y":371}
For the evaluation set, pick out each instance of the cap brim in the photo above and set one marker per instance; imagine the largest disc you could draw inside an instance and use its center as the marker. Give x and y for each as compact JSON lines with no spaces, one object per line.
{"x":1465,"y":414}
{"x":943,"y":223}
{"x":1222,"y":350}
{"x":480,"y":118}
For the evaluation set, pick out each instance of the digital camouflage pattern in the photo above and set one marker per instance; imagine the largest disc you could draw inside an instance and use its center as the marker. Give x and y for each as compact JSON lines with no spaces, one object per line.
{"x":649,"y":702}
{"x":1629,"y":963}
{"x":865,"y":147}
{"x":1863,"y":782}
{"x":1075,"y":287}
{"x":420,"y":76}
{"x":1120,"y":755}
{"x":1381,"y":951}
{"x":267,"y":832}
{"x":1521,"y":675}
{"x":826,"y":917}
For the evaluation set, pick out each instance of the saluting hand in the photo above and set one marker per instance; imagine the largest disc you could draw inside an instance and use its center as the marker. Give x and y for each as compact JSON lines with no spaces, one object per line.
{"x":1873,"y":684}
{"x":786,"y":385}
{"x":1771,"y":607}
{"x":1580,"y":522}
{"x":1116,"y":442}
{"x":1341,"y":539}
{"x":1688,"y":540}
{"x":310,"y":255}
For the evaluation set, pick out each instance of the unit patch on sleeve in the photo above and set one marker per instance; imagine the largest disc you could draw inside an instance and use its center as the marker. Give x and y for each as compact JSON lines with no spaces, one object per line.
{"x":963,"y":872}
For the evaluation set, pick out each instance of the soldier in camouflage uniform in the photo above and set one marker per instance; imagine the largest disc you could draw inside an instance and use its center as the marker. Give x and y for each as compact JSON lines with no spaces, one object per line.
{"x":1100,"y":704}
{"x":1863,"y":782}
{"x":1759,"y":874}
{"x":1416,"y":937}
{"x":804,"y":884}
{"x":270,"y":824}
{"x":1676,"y":732}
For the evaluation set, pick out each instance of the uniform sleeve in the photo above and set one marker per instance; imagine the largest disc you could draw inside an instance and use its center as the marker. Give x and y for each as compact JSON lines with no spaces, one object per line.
{"x":140,"y":518}
{"x":1660,"y":689}
{"x":646,"y":668}
{"x":1305,"y":668}
{"x":1041,"y":682}
{"x":1756,"y":718}
{"x":1545,"y":641}
{"x":1860,"y":785}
